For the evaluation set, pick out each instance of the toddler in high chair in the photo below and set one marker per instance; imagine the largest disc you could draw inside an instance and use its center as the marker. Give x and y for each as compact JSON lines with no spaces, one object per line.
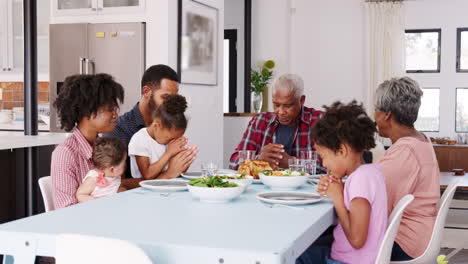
{"x":109,"y":156}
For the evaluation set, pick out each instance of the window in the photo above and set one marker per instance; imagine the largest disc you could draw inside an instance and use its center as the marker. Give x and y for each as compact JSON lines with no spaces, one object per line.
{"x":428,"y":117}
{"x":462,"y":50}
{"x":423,"y":50}
{"x":461,"y":118}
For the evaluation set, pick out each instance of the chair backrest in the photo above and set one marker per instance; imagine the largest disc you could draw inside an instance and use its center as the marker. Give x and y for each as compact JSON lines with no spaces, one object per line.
{"x":385,"y":250}
{"x":45,"y":184}
{"x":78,"y":249}
{"x":433,"y":249}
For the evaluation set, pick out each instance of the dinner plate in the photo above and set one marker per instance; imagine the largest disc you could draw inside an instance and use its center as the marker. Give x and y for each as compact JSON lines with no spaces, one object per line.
{"x":192,"y":174}
{"x":290,"y":198}
{"x":257,"y":181}
{"x":165,"y":185}
{"x":313,"y":181}
{"x":314,"y":176}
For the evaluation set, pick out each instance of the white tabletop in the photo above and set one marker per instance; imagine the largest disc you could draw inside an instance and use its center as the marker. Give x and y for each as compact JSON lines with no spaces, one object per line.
{"x":12,"y":140}
{"x":180,"y":229}
{"x":447,"y":177}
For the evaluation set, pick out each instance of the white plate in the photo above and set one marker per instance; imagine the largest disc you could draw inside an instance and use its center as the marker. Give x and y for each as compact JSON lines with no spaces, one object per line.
{"x":289,"y":198}
{"x":192,"y":175}
{"x":313,"y":181}
{"x":314,"y":176}
{"x":257,"y":181}
{"x":165,"y":185}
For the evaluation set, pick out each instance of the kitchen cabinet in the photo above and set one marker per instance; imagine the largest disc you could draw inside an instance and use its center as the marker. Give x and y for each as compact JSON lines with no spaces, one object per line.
{"x":96,"y":7}
{"x":12,"y":39}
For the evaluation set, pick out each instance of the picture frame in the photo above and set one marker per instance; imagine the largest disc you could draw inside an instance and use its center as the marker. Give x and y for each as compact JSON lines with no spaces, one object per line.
{"x":197,"y":43}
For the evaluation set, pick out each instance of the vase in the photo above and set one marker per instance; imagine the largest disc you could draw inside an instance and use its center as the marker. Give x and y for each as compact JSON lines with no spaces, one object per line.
{"x":256,"y":99}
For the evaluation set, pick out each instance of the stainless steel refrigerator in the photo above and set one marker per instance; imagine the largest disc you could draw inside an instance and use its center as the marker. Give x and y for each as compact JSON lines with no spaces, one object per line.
{"x":117,"y":49}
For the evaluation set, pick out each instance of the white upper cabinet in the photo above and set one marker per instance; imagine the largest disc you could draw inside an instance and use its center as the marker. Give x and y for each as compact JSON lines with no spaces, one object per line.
{"x":96,"y":7}
{"x":12,"y":37}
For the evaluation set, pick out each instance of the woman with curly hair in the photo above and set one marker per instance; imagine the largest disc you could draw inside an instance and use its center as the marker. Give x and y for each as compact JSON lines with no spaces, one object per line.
{"x":87,"y":105}
{"x":341,"y":136}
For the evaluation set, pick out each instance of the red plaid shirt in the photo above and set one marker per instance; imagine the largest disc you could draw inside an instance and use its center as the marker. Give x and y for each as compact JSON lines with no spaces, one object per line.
{"x":261,"y":131}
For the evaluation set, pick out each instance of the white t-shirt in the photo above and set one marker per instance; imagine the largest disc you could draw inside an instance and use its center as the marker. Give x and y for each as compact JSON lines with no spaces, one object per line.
{"x":142,"y":144}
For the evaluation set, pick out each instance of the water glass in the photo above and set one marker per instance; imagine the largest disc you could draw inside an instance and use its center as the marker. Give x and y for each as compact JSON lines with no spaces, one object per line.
{"x":208,"y":168}
{"x":308,"y":155}
{"x":246,"y":155}
{"x":296,"y":165}
{"x":310,"y":166}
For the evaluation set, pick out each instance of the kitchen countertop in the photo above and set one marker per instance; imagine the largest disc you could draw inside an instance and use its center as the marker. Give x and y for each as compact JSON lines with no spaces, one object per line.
{"x":17,"y":139}
{"x":19,"y":126}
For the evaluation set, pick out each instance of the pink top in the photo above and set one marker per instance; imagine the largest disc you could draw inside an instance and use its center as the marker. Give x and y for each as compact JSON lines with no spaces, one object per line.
{"x":71,"y":160}
{"x":410,"y":167}
{"x":108,"y":186}
{"x":366,"y":182}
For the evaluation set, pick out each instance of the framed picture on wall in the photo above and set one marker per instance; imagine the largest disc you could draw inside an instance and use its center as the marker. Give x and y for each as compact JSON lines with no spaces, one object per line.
{"x":197,"y":43}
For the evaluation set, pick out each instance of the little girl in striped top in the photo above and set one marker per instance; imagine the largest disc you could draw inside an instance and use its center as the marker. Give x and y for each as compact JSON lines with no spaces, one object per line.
{"x":109,"y":156}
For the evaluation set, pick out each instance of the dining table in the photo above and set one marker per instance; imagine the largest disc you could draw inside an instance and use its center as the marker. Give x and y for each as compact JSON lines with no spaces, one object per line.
{"x":175,"y":227}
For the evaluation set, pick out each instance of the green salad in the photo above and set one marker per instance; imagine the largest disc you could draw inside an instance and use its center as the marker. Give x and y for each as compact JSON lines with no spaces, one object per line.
{"x":234,"y":177}
{"x":212,"y":182}
{"x":286,"y":172}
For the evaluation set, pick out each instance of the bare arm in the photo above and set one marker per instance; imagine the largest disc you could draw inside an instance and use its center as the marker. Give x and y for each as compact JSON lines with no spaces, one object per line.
{"x":355,"y":222}
{"x":151,"y":171}
{"x":83,"y":194}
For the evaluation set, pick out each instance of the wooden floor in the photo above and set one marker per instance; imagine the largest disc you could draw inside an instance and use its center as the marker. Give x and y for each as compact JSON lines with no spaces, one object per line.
{"x":460,"y":258}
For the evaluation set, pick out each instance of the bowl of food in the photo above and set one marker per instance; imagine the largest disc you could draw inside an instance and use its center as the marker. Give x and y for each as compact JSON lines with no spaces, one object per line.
{"x":214,"y":189}
{"x":283,"y":180}
{"x":253,"y":167}
{"x":240,"y":179}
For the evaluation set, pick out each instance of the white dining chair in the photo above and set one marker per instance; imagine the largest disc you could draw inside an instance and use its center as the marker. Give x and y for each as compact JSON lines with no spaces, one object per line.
{"x":45,"y":184}
{"x":78,"y":249}
{"x":385,"y":250}
{"x":433,"y":248}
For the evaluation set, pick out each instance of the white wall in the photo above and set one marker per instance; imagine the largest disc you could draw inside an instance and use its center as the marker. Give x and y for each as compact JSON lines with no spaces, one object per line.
{"x":270,"y":35}
{"x":234,"y":19}
{"x":446,"y":15}
{"x":206,"y":102}
{"x":327,"y":49}
{"x":234,"y":127}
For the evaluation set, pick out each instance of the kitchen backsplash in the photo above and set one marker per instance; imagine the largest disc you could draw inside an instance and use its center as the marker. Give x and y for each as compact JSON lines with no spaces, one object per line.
{"x":13,"y":94}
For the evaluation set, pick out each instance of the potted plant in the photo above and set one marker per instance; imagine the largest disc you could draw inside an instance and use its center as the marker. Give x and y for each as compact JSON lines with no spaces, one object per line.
{"x":258,"y":83}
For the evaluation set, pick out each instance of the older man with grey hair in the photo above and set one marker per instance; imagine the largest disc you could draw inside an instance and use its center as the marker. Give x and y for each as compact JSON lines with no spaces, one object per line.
{"x":277,"y":136}
{"x":409,"y":165}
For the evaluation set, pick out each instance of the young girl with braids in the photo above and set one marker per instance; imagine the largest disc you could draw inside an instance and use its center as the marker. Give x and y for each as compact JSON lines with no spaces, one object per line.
{"x":341,"y":136}
{"x":159,"y":151}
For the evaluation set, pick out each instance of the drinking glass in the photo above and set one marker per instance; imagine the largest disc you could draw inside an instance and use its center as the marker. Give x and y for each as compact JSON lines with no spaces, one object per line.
{"x":208,"y":168}
{"x":310,"y":166}
{"x":296,"y":165}
{"x":246,"y":155}
{"x":308,"y":155}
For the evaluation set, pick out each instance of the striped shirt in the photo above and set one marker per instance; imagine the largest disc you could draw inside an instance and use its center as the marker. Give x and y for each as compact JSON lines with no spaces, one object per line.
{"x":261,"y":131}
{"x":71,"y":160}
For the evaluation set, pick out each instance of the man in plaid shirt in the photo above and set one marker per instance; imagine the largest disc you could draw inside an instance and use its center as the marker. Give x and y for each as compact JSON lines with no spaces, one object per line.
{"x":278,"y":136}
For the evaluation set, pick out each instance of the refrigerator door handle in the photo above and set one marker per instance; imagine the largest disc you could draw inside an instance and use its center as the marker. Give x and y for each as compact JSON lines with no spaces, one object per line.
{"x":81,"y":64}
{"x":87,"y":63}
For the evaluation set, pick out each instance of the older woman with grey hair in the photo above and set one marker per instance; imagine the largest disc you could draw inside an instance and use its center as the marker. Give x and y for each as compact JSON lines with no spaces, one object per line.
{"x":409,"y":165}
